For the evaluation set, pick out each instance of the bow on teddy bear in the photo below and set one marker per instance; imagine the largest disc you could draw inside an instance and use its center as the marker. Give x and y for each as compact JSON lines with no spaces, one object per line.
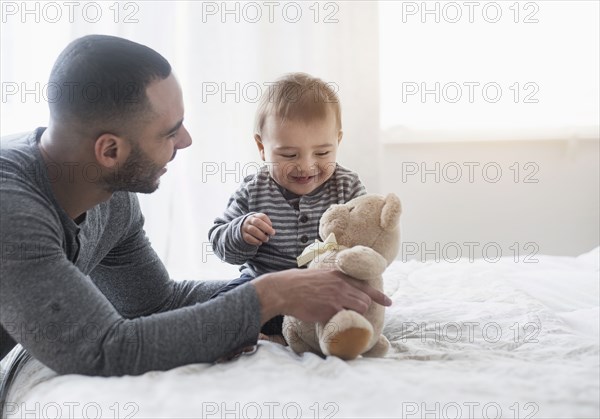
{"x":362,"y":238}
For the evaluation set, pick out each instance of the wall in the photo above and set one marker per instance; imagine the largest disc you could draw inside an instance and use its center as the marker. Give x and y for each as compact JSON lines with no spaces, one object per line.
{"x":550,"y":207}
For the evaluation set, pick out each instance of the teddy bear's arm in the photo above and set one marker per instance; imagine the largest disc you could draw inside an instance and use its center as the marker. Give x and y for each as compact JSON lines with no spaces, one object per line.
{"x":361,"y":262}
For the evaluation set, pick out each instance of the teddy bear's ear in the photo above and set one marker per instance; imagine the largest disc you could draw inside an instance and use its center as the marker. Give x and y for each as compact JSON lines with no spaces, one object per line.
{"x":390,"y":213}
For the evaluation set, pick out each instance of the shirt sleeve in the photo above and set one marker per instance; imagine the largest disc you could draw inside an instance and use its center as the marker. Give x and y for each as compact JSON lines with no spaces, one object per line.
{"x":133,"y":262}
{"x":356,"y":188}
{"x":226,"y":233}
{"x":66,"y":321}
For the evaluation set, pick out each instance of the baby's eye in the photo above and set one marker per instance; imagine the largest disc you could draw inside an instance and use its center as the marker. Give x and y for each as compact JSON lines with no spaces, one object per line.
{"x":323,"y":153}
{"x":288,"y":156}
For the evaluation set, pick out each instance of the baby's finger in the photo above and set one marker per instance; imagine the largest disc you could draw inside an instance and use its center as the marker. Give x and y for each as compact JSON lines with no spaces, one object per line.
{"x":264,"y":227}
{"x":257,"y":233}
{"x":250,"y":239}
{"x":263,"y":217}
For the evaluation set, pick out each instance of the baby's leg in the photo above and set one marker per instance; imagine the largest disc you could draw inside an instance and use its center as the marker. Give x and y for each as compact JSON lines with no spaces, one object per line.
{"x":273,"y":338}
{"x":232,"y":284}
{"x":273,"y":327}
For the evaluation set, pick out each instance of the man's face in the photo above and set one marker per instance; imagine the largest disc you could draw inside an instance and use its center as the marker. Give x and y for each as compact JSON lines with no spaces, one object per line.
{"x":156,"y":143}
{"x":301,"y":155}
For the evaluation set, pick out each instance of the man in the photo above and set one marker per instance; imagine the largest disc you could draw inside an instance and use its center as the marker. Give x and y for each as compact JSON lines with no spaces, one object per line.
{"x":80,"y":287}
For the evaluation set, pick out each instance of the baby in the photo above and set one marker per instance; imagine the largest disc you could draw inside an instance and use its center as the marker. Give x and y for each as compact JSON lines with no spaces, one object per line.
{"x":275,"y":213}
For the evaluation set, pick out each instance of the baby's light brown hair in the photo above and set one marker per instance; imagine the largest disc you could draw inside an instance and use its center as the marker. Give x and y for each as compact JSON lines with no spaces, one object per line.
{"x":298,"y":96}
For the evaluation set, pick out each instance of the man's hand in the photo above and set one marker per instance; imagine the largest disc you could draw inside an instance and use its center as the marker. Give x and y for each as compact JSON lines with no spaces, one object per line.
{"x":257,"y":229}
{"x":313,"y":295}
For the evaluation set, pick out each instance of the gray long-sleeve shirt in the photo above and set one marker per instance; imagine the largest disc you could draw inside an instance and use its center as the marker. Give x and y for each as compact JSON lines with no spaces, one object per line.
{"x":295,"y":219}
{"x":94,"y":298}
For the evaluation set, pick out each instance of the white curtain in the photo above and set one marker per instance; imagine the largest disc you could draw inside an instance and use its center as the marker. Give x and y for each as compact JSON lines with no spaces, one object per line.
{"x":489,"y":70}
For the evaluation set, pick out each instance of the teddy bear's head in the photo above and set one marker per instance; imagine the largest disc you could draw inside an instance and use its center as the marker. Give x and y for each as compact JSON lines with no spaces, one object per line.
{"x":370,"y":220}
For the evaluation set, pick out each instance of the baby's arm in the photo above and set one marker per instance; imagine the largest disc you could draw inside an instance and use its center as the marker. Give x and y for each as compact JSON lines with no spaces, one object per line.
{"x":351,"y":185}
{"x":226,"y":234}
{"x":357,"y":189}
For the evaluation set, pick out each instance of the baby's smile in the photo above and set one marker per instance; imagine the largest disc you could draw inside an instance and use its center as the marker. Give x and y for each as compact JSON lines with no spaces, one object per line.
{"x":303,"y":180}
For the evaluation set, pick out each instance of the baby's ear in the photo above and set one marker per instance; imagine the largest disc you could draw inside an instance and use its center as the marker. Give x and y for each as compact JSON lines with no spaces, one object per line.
{"x":390,"y":213}
{"x":261,"y":147}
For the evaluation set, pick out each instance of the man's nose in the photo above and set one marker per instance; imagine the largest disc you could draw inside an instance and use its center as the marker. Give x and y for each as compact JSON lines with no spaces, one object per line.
{"x":184,"y":140}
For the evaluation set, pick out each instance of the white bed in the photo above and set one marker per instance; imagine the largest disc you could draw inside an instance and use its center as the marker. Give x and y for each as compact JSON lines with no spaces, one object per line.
{"x":529,"y":348}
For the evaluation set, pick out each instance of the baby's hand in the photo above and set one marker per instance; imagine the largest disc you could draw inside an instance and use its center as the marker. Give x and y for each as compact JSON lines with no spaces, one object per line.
{"x":257,"y":229}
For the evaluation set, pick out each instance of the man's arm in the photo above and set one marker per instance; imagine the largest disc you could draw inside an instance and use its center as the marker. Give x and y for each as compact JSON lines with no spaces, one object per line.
{"x":313,"y":295}
{"x":64,"y":320}
{"x":133,"y":264}
{"x":226,"y":233}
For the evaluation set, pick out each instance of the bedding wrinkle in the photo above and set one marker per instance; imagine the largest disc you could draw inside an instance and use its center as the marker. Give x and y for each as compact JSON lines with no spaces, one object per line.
{"x":542,"y":363}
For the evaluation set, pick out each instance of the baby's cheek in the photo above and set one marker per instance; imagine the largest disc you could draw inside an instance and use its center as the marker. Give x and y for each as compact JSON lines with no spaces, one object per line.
{"x":274,"y":168}
{"x":328,"y":168}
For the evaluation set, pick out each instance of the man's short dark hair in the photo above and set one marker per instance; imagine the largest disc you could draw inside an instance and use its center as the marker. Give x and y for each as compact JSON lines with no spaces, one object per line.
{"x":99,"y":82}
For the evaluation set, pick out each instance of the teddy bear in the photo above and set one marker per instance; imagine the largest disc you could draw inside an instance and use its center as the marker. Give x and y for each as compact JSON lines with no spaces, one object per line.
{"x":361,"y":238}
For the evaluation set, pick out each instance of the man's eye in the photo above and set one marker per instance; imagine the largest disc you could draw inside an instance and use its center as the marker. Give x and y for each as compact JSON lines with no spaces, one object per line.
{"x":173,"y":135}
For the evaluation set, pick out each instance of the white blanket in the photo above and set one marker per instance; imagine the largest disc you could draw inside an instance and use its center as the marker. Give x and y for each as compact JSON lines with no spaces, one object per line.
{"x":469,"y":339}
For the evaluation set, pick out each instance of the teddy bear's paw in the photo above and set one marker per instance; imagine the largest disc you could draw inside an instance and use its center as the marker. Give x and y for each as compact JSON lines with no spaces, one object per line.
{"x":346,"y":335}
{"x":380,"y":348}
{"x":300,"y":336}
{"x":361,"y":262}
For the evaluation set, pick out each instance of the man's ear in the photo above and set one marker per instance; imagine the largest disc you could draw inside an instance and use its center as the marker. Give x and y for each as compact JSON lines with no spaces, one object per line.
{"x":260,"y":145}
{"x":111,"y":150}
{"x":340,"y":135}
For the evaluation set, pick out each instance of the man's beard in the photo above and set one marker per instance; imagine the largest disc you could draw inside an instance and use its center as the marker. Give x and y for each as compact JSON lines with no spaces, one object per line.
{"x":138,"y":174}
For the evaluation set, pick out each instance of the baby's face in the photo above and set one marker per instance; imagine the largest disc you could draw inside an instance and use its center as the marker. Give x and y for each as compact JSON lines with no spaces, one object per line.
{"x":301,"y":155}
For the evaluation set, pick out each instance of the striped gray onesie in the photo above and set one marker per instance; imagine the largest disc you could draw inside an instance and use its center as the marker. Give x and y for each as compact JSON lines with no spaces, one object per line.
{"x":295,"y":219}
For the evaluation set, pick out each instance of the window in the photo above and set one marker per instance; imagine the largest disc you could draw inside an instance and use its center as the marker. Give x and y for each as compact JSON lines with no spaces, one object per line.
{"x":485,"y":70}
